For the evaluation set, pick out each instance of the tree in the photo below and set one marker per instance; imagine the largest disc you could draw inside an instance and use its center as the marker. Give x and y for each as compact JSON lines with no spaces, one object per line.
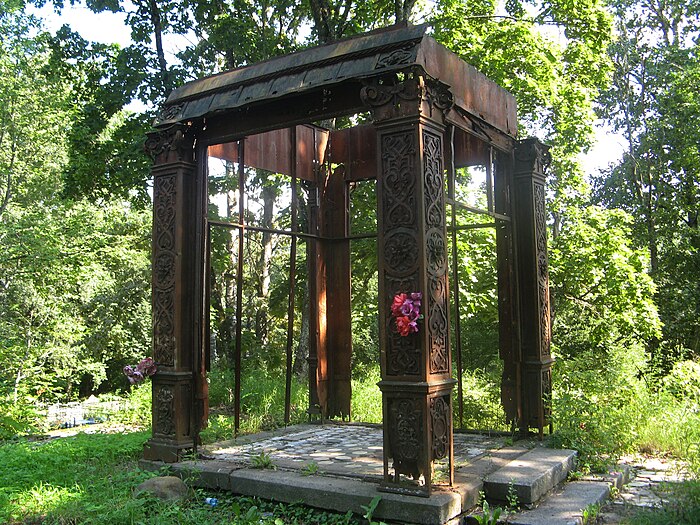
{"x":653,"y":103}
{"x":551,"y":56}
{"x":73,"y":293}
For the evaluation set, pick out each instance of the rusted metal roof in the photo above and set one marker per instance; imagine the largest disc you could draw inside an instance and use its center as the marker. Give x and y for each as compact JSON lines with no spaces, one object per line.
{"x":348,"y":60}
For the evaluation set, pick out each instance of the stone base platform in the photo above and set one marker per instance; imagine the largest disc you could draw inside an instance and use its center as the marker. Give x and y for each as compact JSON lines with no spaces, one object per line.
{"x":337,"y":466}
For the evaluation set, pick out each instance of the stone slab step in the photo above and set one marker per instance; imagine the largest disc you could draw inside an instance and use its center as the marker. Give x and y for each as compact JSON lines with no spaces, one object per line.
{"x":564,"y":506}
{"x":531,"y":475}
{"x":327,"y":492}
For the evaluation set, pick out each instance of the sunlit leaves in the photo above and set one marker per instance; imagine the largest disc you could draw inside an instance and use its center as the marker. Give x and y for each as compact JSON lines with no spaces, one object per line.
{"x":603,"y":295}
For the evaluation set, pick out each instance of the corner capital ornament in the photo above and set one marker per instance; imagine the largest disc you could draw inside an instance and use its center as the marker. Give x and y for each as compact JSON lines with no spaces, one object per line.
{"x":532,"y":155}
{"x":173,"y":139}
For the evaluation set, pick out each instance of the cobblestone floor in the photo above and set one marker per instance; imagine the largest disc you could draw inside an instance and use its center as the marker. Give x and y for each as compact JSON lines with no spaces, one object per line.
{"x":340,"y":448}
{"x":646,"y":489}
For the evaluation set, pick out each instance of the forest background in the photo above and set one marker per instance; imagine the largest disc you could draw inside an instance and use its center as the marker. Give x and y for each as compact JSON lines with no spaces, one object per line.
{"x":75,"y":210}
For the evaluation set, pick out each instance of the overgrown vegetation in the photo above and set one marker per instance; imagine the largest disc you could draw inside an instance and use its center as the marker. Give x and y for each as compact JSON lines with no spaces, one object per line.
{"x":75,"y":236}
{"x":90,"y":479}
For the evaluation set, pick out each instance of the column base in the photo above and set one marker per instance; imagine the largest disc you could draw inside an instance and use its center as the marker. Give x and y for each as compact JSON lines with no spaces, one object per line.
{"x":166,"y":451}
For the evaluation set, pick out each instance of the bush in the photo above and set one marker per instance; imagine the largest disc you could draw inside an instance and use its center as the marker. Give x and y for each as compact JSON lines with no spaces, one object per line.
{"x":598,"y":406}
{"x":482,"y":401}
{"x":18,"y":418}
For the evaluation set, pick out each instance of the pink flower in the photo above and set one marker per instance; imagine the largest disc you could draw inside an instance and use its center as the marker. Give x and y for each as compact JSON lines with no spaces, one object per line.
{"x":416,"y":297}
{"x":147,"y":367}
{"x":406,"y":310}
{"x":396,"y":306}
{"x":133,"y":375}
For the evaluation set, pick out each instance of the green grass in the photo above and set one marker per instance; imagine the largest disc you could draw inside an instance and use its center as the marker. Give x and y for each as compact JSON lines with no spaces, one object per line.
{"x":366,"y":403}
{"x":89,"y":479}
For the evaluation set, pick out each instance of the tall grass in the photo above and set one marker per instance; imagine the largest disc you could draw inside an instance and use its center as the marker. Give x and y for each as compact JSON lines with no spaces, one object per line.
{"x":366,"y":405}
{"x":606,"y":411}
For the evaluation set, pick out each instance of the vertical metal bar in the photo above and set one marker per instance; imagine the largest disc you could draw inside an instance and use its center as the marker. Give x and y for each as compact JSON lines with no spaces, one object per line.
{"x":204,"y":353}
{"x":292,"y":278}
{"x":489,"y":181}
{"x":239,"y":285}
{"x":312,"y":272}
{"x":206,"y":340}
{"x":455,"y":271}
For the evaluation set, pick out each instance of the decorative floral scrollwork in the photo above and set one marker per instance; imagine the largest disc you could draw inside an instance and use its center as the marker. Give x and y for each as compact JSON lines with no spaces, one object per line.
{"x":434,"y":180}
{"x":436,"y":252}
{"x":174,"y":138}
{"x":395,"y":58}
{"x":404,"y":356}
{"x":438,"y":94}
{"x":400,"y":252}
{"x":398,"y":153}
{"x":547,"y":392}
{"x":533,"y":156}
{"x":542,"y":268}
{"x":165,"y":411}
{"x":405,"y":429}
{"x":405,"y":86}
{"x":170,"y":112}
{"x":164,"y":259}
{"x":440,"y":426}
{"x":438,"y":325}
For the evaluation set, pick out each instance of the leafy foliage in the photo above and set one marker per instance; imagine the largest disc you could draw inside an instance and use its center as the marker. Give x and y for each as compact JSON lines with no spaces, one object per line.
{"x":653,"y":105}
{"x":90,"y":479}
{"x":551,"y":56}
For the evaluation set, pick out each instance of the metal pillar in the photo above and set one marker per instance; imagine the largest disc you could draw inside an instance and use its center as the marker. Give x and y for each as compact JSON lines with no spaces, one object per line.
{"x":416,"y":370}
{"x":178,"y":247}
{"x":531,"y":159}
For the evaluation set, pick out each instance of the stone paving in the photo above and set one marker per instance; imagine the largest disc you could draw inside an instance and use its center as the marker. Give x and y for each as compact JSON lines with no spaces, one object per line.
{"x":646,"y":489}
{"x":348,"y":449}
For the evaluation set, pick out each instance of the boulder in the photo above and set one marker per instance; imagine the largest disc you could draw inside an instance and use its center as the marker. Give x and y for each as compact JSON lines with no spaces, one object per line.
{"x":168,"y":488}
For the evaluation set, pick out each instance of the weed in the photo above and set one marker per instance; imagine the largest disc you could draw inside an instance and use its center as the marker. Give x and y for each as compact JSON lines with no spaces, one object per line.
{"x":490,"y":516}
{"x":589,"y":515}
{"x":263,"y":461}
{"x":369,"y":510}
{"x":681,"y":506}
{"x":512,"y":497}
{"x":310,"y":469}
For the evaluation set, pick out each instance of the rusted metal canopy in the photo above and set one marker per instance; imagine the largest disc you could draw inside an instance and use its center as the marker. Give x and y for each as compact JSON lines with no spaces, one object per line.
{"x":351,"y":60}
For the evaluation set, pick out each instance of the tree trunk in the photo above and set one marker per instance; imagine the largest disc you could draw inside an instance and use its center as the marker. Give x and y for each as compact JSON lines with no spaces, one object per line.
{"x":230,"y":277}
{"x":301,"y":365}
{"x":261,"y":315}
{"x":160,"y":53}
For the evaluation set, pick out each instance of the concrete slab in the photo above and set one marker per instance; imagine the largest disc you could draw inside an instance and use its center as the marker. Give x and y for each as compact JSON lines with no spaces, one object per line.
{"x":339,"y":467}
{"x":565,"y":505}
{"x":617,"y":477}
{"x":327,"y":492}
{"x":531,"y":475}
{"x":341,"y":494}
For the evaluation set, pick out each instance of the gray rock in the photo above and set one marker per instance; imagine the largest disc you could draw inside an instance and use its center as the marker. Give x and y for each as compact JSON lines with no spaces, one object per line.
{"x":168,"y":488}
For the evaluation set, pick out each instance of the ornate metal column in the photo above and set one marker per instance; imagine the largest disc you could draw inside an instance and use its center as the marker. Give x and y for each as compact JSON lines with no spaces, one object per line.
{"x":177,"y":253}
{"x":416,"y":385}
{"x":508,"y":320}
{"x":531,"y":159}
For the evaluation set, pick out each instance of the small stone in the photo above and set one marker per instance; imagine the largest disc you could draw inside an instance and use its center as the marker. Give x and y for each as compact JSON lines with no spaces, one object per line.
{"x":168,"y":488}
